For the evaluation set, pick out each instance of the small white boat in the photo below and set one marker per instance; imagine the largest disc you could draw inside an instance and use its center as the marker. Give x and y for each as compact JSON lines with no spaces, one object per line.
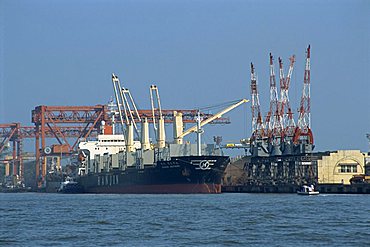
{"x":307,"y":190}
{"x":70,"y":186}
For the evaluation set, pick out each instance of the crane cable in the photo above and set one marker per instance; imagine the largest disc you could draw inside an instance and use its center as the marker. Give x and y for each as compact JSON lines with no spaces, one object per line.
{"x":221,"y":105}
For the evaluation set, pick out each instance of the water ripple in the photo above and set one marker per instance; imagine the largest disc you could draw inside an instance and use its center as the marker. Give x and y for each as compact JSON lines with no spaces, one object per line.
{"x":30,"y":219}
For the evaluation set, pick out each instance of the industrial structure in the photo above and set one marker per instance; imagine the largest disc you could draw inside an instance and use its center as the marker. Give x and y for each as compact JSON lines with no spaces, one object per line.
{"x":341,"y":171}
{"x":12,"y":133}
{"x":281,"y":148}
{"x":129,"y":162}
{"x":279,"y":134}
{"x":57,"y":130}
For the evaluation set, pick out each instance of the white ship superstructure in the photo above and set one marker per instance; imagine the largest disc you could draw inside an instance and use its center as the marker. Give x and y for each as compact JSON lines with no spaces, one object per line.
{"x":104,"y":144}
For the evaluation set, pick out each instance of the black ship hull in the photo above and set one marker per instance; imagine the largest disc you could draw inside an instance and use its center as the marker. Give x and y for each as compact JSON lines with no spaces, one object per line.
{"x":188,"y":174}
{"x":71,"y":188}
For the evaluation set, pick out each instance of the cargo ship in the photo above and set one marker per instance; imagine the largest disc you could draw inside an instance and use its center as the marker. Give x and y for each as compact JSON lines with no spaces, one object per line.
{"x":157,"y":171}
{"x":120,"y":163}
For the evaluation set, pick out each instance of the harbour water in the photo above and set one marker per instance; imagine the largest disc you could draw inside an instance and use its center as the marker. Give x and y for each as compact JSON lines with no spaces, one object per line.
{"x":36,"y":219}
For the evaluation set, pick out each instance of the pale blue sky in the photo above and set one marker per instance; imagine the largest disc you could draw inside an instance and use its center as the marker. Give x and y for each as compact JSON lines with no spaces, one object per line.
{"x":197,"y":52}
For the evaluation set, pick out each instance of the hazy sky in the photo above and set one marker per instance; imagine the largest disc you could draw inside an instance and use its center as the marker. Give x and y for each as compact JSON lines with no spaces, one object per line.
{"x":197,"y":52}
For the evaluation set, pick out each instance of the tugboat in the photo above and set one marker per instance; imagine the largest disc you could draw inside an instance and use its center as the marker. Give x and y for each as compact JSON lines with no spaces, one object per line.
{"x":70,"y":186}
{"x":307,"y":191}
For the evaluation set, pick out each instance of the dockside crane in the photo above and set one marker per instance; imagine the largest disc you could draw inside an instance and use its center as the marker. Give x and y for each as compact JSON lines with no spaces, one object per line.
{"x":274,"y":122}
{"x":281,"y":132}
{"x":285,"y":109}
{"x":284,"y":91}
{"x":303,"y":133}
{"x":258,"y":128}
{"x":277,"y":123}
{"x":261,"y":131}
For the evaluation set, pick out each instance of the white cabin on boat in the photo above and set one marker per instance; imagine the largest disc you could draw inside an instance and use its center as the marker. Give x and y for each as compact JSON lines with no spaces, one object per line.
{"x":307,"y":190}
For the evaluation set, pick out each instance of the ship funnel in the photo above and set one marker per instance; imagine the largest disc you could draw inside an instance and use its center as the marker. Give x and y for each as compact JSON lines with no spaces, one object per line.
{"x":177,"y":127}
{"x":130,"y":138}
{"x":161,"y":142}
{"x":145,"y":145}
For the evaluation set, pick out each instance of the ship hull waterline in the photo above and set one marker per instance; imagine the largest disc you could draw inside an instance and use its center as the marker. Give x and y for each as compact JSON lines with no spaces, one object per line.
{"x":180,"y":175}
{"x":159,"y":189}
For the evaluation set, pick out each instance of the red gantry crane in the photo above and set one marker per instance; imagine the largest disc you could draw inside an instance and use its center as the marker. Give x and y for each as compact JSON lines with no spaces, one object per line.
{"x":11,"y":133}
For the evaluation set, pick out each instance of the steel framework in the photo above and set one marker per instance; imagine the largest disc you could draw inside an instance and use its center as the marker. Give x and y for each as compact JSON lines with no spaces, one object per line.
{"x":68,"y":124}
{"x":303,"y":132}
{"x":10,"y":133}
{"x":49,"y":121}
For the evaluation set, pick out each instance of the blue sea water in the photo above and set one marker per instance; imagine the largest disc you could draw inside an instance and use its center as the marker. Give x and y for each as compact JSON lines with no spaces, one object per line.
{"x":36,"y":219}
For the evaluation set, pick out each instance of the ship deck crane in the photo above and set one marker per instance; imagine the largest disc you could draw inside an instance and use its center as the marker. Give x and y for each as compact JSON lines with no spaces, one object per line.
{"x":116,"y":87}
{"x":155,"y":103}
{"x":127,"y":102}
{"x":208,"y":120}
{"x":156,"y":106}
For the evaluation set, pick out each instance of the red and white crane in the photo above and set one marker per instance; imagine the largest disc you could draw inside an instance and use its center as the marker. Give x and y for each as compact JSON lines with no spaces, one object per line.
{"x":258,"y":130}
{"x":303,"y":133}
{"x":280,"y":131}
{"x":285,"y":109}
{"x":284,"y":89}
{"x":277,"y":123}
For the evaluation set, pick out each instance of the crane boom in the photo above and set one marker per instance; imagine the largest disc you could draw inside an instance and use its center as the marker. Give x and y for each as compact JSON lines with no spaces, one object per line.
{"x":115,"y":82}
{"x":208,"y":120}
{"x":155,"y":102}
{"x":159,"y":126}
{"x":125,"y":99}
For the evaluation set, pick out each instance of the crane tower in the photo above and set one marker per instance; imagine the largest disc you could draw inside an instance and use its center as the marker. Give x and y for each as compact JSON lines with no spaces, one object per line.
{"x":277,"y":124}
{"x":285,"y":109}
{"x":279,"y":131}
{"x":259,"y":134}
{"x":303,"y":136}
